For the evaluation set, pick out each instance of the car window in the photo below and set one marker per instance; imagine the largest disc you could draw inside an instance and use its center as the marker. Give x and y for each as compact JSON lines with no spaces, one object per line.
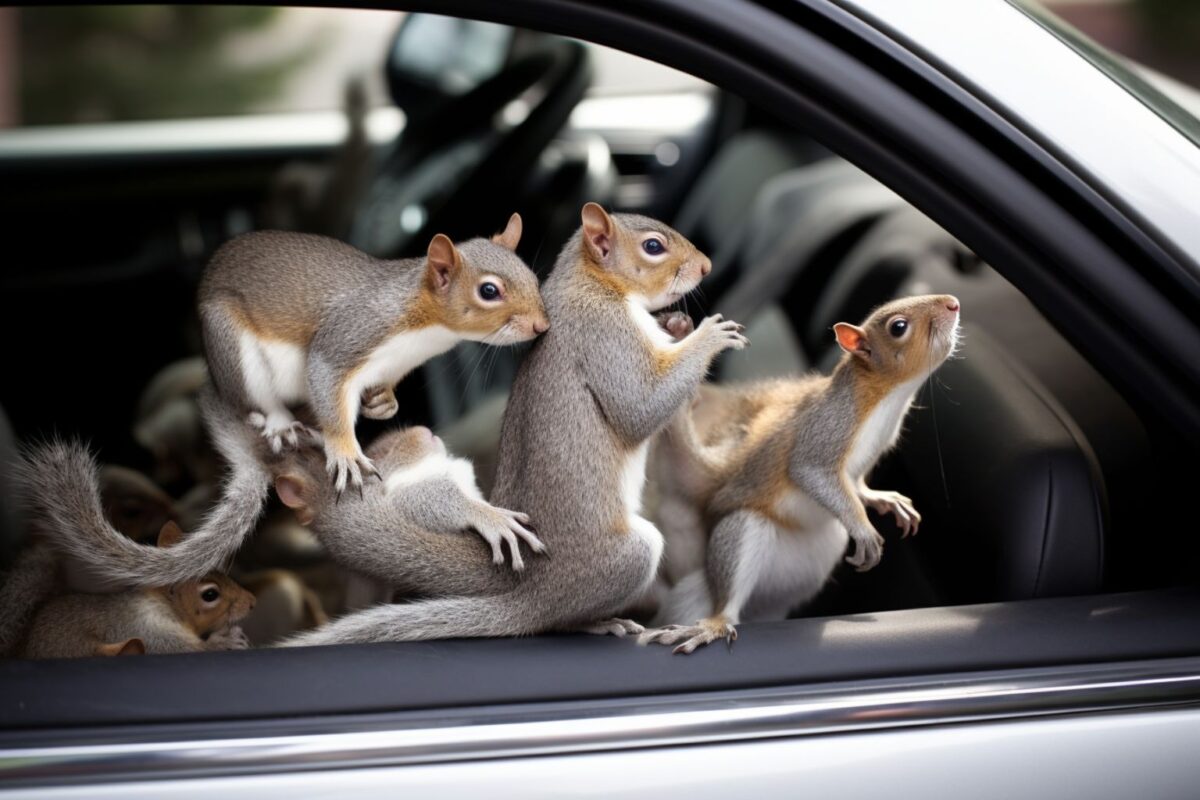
{"x":71,"y":65}
{"x":1135,"y":43}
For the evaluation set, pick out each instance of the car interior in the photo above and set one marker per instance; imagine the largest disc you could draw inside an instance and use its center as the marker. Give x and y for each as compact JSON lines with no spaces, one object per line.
{"x":1036,"y":478}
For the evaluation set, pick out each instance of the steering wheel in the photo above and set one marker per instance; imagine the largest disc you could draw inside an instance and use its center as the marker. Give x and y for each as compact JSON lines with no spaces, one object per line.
{"x":449,"y":170}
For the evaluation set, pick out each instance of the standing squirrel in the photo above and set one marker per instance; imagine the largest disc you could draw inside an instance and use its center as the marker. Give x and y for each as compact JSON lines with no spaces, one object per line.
{"x":587,"y":399}
{"x":292,"y":318}
{"x":779,"y":473}
{"x":414,"y":530}
{"x":190,"y":616}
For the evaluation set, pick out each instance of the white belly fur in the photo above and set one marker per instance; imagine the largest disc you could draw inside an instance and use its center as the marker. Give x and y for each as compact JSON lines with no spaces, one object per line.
{"x":633,"y":481}
{"x":399,"y":356}
{"x":881,"y":428}
{"x":275,"y":373}
{"x":435,"y":466}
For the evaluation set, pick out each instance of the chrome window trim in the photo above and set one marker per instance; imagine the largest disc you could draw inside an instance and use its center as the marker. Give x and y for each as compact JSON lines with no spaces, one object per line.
{"x":508,"y":732}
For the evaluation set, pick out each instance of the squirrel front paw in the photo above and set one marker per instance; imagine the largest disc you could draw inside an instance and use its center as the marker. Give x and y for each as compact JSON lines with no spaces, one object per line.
{"x":231,"y":638}
{"x":676,"y":323}
{"x":499,"y":524}
{"x":723,"y":334}
{"x":868,"y":550}
{"x":896,"y":504}
{"x":379,"y":402}
{"x":348,"y":468}
{"x":280,"y":430}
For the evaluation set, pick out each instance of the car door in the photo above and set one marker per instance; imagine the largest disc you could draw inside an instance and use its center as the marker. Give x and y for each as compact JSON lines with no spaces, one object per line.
{"x":1095,"y":692}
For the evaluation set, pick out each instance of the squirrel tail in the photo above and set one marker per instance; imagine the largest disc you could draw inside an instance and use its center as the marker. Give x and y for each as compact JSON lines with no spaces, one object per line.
{"x":60,"y":487}
{"x":30,"y":581}
{"x":441,"y":618}
{"x":681,"y":431}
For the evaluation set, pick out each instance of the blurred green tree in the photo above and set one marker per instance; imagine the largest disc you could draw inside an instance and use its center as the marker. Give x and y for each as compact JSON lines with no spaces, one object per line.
{"x":1171,"y":24}
{"x":101,"y":63}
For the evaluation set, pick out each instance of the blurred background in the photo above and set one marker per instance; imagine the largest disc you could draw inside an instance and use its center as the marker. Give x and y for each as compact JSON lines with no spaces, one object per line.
{"x":106,"y":64}
{"x":102,"y":64}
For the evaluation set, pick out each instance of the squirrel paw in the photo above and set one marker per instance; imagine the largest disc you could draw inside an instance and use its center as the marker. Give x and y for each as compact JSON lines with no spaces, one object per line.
{"x":231,"y":638}
{"x":613,"y":627}
{"x":896,"y":504}
{"x":280,"y":431}
{"x":725,"y":334}
{"x":500,"y":524}
{"x":349,"y":469}
{"x":676,"y":323}
{"x":868,"y":550}
{"x":689,"y":637}
{"x":379,"y":403}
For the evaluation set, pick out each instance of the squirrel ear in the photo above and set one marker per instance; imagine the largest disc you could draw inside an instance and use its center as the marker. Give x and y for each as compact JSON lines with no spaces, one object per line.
{"x":443,"y":262}
{"x":852,"y":339}
{"x":169,"y":534}
{"x":597,"y":232}
{"x":129,"y":647}
{"x":510,"y":237}
{"x":294,"y":493}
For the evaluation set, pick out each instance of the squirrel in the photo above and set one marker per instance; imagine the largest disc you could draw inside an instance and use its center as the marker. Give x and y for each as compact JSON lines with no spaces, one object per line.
{"x":59,"y":484}
{"x":587,"y":398}
{"x":413,"y":530}
{"x":779,"y":472}
{"x":291,"y":318}
{"x":190,"y":616}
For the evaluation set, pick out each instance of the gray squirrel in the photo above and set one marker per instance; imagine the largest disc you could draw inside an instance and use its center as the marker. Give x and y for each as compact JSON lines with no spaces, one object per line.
{"x":191,"y":616}
{"x":423,"y":529}
{"x":587,"y":399}
{"x":291,"y":318}
{"x":770,"y":486}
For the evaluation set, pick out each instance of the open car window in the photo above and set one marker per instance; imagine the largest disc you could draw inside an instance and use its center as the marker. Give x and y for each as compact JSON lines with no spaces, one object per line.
{"x":1037,"y":470}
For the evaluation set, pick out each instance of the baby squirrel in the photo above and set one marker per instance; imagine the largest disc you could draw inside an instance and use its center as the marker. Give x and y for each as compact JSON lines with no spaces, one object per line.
{"x":778,"y":475}
{"x":59,"y":483}
{"x":414,"y":530}
{"x":587,"y":399}
{"x":292,"y":318}
{"x":190,"y":616}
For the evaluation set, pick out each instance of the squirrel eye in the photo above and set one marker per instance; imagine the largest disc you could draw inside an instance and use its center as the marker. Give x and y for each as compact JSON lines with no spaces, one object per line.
{"x":489,"y":291}
{"x":210,"y":595}
{"x":898,"y":327}
{"x":653,"y":247}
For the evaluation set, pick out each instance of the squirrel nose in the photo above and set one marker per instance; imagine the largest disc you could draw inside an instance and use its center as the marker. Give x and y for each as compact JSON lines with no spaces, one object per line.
{"x":951,"y":303}
{"x":541,"y":326}
{"x":705,"y":267}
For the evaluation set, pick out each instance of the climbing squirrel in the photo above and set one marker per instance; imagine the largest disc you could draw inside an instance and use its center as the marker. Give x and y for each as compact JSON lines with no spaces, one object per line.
{"x":291,"y":318}
{"x":190,"y":616}
{"x":587,"y":398}
{"x":778,"y":472}
{"x":424,"y":529}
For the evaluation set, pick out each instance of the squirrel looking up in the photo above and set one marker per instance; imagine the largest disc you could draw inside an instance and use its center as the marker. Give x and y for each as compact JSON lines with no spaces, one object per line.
{"x":291,"y":318}
{"x":587,"y":398}
{"x":778,"y":474}
{"x":186,"y":617}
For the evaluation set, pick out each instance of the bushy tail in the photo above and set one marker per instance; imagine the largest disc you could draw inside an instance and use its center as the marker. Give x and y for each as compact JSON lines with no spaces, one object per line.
{"x":58,"y":483}
{"x":445,"y":618}
{"x":32,"y":579}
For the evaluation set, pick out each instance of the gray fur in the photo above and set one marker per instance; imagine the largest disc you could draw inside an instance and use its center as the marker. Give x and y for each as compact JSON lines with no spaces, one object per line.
{"x":585,"y":397}
{"x":72,"y":626}
{"x":31,"y":580}
{"x":59,"y":484}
